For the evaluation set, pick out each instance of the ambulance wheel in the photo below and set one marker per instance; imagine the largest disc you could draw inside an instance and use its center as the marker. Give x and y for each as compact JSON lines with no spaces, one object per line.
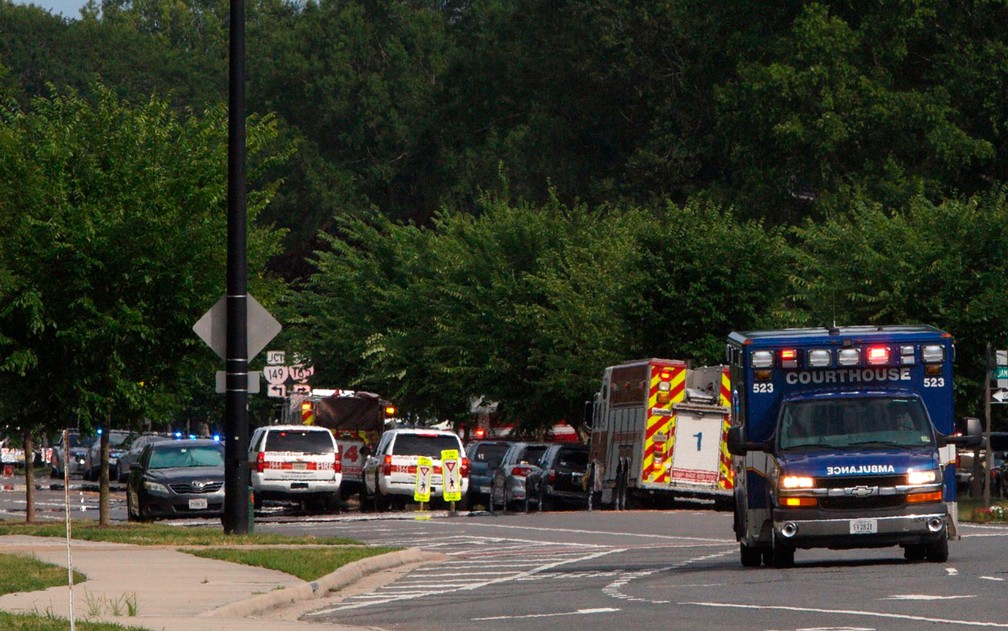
{"x":781,"y":557}
{"x":915,"y":552}
{"x":938,"y":551}
{"x":751,"y":556}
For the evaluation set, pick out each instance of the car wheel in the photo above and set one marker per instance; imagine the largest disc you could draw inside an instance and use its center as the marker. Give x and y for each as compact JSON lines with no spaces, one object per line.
{"x":381,"y":501}
{"x":915,"y":553}
{"x":938,"y":551}
{"x":751,"y":556}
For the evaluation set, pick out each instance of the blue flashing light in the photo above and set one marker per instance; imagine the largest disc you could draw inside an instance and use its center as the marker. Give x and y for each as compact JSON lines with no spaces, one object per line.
{"x":178,"y":434}
{"x":99,"y":431}
{"x":216,"y":437}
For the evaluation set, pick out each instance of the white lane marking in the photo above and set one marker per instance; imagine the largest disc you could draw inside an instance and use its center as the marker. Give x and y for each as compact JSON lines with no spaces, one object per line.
{"x":601,"y":532}
{"x":951,"y":571}
{"x":579,"y":612}
{"x":924,"y":597}
{"x":991,"y":578}
{"x":615,"y":588}
{"x":854,"y":612}
{"x":384,"y":597}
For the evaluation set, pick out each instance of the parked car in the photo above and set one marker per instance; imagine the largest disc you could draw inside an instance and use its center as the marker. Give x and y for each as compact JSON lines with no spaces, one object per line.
{"x":484,"y":458}
{"x":78,"y":451}
{"x":558,"y":477}
{"x":390,"y":472}
{"x":135,"y":448}
{"x":296,"y":463}
{"x":508,"y":484}
{"x":177,"y":478}
{"x":118,"y":441}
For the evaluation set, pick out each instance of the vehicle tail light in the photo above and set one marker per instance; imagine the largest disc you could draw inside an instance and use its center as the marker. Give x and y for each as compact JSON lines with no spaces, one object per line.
{"x":337,"y":463}
{"x":551,"y":476}
{"x":464,"y":471}
{"x":387,"y":467}
{"x":522,"y":471}
{"x":260,"y":462}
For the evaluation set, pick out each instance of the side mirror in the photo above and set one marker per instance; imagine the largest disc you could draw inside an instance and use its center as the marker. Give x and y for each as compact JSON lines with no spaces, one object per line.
{"x":736,"y":441}
{"x":739,"y":446}
{"x":972,"y":438}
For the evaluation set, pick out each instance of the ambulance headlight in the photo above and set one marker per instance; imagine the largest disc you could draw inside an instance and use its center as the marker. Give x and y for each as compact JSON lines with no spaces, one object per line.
{"x":762,"y":359}
{"x":797,"y":482}
{"x":933,"y":354}
{"x":929,"y":476}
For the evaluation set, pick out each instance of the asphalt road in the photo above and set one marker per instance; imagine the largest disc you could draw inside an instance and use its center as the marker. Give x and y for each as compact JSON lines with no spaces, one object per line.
{"x":631,"y":570}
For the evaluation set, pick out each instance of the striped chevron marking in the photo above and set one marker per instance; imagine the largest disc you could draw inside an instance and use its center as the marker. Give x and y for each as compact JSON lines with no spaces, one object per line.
{"x":661,"y":425}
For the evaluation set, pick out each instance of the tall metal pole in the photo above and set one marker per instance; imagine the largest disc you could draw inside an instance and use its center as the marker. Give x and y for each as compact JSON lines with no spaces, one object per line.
{"x":236,"y":472}
{"x":989,"y":364}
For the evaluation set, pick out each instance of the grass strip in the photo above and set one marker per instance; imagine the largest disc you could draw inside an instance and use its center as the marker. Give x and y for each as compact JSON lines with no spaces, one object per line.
{"x":161,"y":534}
{"x":36,"y":622}
{"x":23,"y":573}
{"x":306,"y":564}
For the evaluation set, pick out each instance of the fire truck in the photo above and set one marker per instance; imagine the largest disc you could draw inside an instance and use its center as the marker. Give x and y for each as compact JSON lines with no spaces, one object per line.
{"x":659,"y":431}
{"x":355,"y":418}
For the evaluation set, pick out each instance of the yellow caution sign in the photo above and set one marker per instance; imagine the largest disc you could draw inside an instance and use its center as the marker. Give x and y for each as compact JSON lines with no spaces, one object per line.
{"x":424,"y":472}
{"x":451,"y":475}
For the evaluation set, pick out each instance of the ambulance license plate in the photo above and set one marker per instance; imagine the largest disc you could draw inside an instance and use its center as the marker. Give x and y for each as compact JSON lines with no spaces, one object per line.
{"x":863,"y":526}
{"x":198,"y":503}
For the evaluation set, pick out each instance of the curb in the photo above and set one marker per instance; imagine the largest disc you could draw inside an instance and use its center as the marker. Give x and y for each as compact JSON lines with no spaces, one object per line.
{"x":342,"y":577}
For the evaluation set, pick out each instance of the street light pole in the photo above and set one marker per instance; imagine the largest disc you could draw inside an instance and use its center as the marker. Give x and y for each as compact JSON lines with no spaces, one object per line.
{"x":236,"y":471}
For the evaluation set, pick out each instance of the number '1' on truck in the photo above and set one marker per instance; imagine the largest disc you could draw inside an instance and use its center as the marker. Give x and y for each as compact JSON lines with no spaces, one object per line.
{"x":843,"y":438}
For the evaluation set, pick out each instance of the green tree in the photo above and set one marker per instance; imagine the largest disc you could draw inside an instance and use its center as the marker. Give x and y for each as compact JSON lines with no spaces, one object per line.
{"x":940,"y":264}
{"x":115,"y":244}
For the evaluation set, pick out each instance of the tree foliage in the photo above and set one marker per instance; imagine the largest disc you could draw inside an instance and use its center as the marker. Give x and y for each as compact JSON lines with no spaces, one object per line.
{"x":114,"y":247}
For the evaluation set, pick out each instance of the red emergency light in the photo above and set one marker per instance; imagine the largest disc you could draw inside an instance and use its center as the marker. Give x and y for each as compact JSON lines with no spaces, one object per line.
{"x":878,"y":355}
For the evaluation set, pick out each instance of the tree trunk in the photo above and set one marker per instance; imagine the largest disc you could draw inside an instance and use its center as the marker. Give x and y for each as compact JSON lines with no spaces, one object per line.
{"x":29,"y":450}
{"x":103,"y":482}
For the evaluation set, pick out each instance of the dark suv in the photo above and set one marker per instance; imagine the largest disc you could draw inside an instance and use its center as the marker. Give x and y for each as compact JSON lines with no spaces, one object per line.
{"x":484,"y":458}
{"x":558,"y":479}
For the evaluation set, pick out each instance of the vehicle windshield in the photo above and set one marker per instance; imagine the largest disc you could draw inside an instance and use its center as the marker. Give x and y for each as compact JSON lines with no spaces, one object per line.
{"x":881,"y":421}
{"x":532,"y":454}
{"x":490,"y":453}
{"x":300,"y":441}
{"x":168,"y":457}
{"x":430,"y":445}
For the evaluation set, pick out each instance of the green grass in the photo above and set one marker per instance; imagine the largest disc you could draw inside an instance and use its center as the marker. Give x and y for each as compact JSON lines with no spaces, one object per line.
{"x":21,"y":573}
{"x":307,"y":564}
{"x":161,"y":534}
{"x":34,"y":622}
{"x":971,"y":509}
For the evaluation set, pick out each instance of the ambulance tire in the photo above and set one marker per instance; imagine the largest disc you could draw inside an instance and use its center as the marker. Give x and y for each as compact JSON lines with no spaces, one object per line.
{"x":751,"y":556}
{"x":779,"y":557}
{"x":915,"y":553}
{"x":938,"y":551}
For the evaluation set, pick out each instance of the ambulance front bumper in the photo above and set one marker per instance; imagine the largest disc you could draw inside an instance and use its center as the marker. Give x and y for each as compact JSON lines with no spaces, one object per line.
{"x":799,"y":529}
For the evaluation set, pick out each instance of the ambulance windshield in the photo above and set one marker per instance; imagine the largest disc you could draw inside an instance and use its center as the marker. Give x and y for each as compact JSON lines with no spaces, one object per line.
{"x":854,"y":422}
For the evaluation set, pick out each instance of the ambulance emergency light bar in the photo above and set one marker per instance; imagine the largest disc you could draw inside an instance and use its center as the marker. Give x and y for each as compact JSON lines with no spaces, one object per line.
{"x":852,"y":356}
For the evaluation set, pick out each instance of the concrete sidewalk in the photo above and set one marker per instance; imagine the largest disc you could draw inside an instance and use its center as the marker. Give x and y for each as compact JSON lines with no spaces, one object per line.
{"x":175,"y":591}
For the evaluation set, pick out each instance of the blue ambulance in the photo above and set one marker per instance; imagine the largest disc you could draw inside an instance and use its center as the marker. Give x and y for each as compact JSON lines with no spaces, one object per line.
{"x":844,"y":437}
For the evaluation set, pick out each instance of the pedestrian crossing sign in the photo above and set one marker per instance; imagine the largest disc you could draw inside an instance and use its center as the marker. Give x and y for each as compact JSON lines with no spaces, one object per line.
{"x":451,"y":475}
{"x":424,"y":470}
